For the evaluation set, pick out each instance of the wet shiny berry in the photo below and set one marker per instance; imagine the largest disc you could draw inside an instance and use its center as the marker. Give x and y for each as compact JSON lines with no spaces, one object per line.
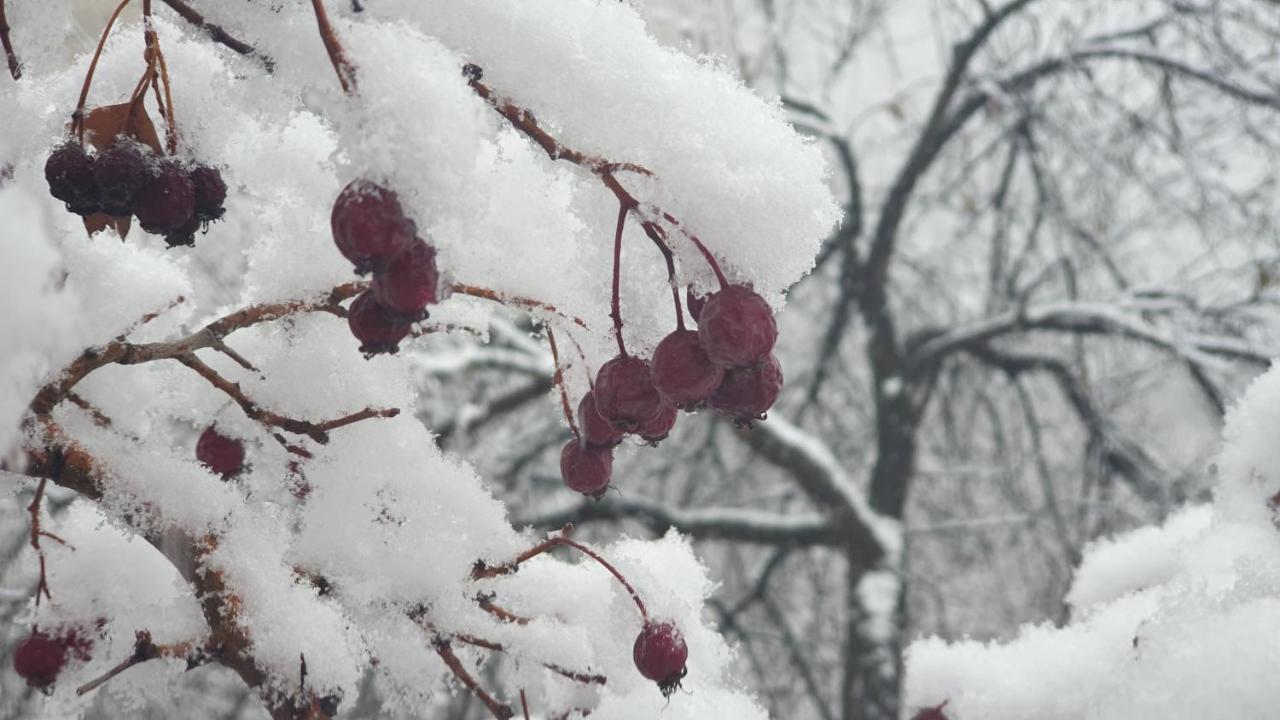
{"x":586,"y":469}
{"x":736,"y":327}
{"x":119,"y":173}
{"x":222,"y":454}
{"x":69,"y":172}
{"x":410,"y":283}
{"x":625,"y":395}
{"x":655,"y":429}
{"x":211,"y":192}
{"x":747,"y":393}
{"x":168,"y":200}
{"x":682,"y":372}
{"x":378,"y":329}
{"x":596,"y":430}
{"x":660,"y":654}
{"x":369,"y":226}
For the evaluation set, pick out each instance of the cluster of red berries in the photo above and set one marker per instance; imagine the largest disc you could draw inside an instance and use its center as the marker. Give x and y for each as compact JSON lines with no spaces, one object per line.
{"x":371,"y":230}
{"x":727,"y":364}
{"x":40,"y":657}
{"x":660,"y":654}
{"x":167,"y":197}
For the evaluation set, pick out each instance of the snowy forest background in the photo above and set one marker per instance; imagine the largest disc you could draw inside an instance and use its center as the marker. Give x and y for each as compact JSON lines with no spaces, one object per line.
{"x":1055,"y":274}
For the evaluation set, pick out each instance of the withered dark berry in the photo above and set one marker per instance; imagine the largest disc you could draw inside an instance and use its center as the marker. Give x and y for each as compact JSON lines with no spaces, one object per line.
{"x":625,"y":395}
{"x":119,"y":172}
{"x":221,"y":454}
{"x":185,"y":235}
{"x":596,"y":430}
{"x":411,"y":283}
{"x":211,"y":192}
{"x":660,"y":654}
{"x":69,"y":172}
{"x":736,"y":327}
{"x":682,"y":372}
{"x":40,"y":657}
{"x":168,"y":200}
{"x":369,"y":226}
{"x":655,"y":429}
{"x":378,"y":329}
{"x":747,"y":393}
{"x":586,"y":469}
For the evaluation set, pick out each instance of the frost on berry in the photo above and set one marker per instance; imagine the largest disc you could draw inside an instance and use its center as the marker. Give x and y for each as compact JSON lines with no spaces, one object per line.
{"x":596,"y":430}
{"x":369,"y":226}
{"x":168,"y":200}
{"x":69,"y":172}
{"x":682,"y":372}
{"x":40,"y":657}
{"x":410,"y":283}
{"x":660,"y":654}
{"x":586,"y":469}
{"x":211,"y":192}
{"x":119,"y":173}
{"x":625,"y":395}
{"x":655,"y":429}
{"x":737,"y":327}
{"x":378,"y":329}
{"x":221,"y":454}
{"x":747,"y":393}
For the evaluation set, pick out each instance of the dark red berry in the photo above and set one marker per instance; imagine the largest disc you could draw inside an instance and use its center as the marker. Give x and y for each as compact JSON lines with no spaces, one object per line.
{"x":586,"y":469}
{"x":185,"y":235}
{"x":378,"y":329}
{"x":694,"y":303}
{"x":625,"y":395}
{"x":596,"y":430}
{"x":747,"y":393}
{"x":211,"y":192}
{"x":933,"y":713}
{"x":119,"y":172}
{"x":411,"y":282}
{"x":682,"y":372}
{"x":221,"y":454}
{"x":69,"y":171}
{"x":40,"y":657}
{"x":660,"y":654}
{"x":369,"y":226}
{"x":656,"y":428}
{"x":167,"y":201}
{"x":736,"y":327}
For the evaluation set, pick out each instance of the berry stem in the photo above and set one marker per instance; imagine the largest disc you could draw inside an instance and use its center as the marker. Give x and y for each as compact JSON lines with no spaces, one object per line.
{"x":711,"y":259}
{"x":156,"y":57}
{"x":659,"y":238}
{"x":15,"y":67}
{"x":524,"y":704}
{"x":615,"y":310}
{"x":558,"y":381}
{"x":341,"y":65}
{"x":527,"y":303}
{"x":42,"y":585}
{"x":445,"y":651}
{"x":77,"y":117}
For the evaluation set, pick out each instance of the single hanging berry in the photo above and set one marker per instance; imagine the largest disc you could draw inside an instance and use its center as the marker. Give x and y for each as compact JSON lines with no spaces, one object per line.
{"x":211,"y":192}
{"x":660,"y":654}
{"x":221,"y":454}
{"x":586,"y":469}
{"x":119,"y":173}
{"x":682,"y":372}
{"x":736,"y":327}
{"x":656,"y":428}
{"x":40,"y":657}
{"x":69,"y":172}
{"x":378,"y":329}
{"x":168,"y":200}
{"x":410,"y":283}
{"x":625,"y":395}
{"x":596,"y":430}
{"x":747,"y":393}
{"x":369,"y":226}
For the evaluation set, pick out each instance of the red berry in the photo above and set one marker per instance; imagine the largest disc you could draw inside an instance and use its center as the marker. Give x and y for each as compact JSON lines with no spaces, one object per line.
{"x":682,"y":372}
{"x":736,"y":327}
{"x":586,"y":469}
{"x":40,"y":657}
{"x":625,"y":395}
{"x":656,"y":428}
{"x":185,"y":235}
{"x":747,"y":393}
{"x":167,"y":201}
{"x":211,"y":192}
{"x":411,"y":283}
{"x":596,"y":430}
{"x":694,"y":303}
{"x":119,"y":173}
{"x":369,"y":226}
{"x":69,"y":172}
{"x":660,"y":654}
{"x":933,"y":713}
{"x":378,"y":329}
{"x":221,"y":454}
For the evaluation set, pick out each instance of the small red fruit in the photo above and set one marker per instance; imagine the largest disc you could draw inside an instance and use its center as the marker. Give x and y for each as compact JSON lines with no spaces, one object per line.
{"x":69,"y":172}
{"x":378,"y":329}
{"x":596,"y":430}
{"x":221,"y":454}
{"x":656,"y":429}
{"x":167,"y":201}
{"x":586,"y":469}
{"x":185,"y":235}
{"x":736,"y":327}
{"x":119,"y":173}
{"x":625,"y":395}
{"x":211,"y":192}
{"x":369,"y":226}
{"x":682,"y":372}
{"x":747,"y":393}
{"x":411,"y":282}
{"x":660,"y":654}
{"x":40,"y":657}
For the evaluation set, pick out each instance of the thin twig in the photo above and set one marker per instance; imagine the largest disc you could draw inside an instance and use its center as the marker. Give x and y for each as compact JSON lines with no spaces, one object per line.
{"x":518,"y":301}
{"x":341,"y":65}
{"x":218,"y":35}
{"x":15,"y":67}
{"x":558,"y":381}
{"x":497,"y":709}
{"x":77,"y":117}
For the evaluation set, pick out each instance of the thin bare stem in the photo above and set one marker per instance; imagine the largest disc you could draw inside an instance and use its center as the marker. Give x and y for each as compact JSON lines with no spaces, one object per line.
{"x":659,"y":238}
{"x":77,"y":118}
{"x":558,"y":381}
{"x":42,"y":585}
{"x":615,"y":310}
{"x":341,"y":65}
{"x":15,"y":67}
{"x":218,"y":35}
{"x":497,"y":709}
{"x":516,"y":300}
{"x":524,"y":704}
{"x":711,"y":259}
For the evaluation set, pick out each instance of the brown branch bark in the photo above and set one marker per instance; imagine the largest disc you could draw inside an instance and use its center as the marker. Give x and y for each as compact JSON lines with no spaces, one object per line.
{"x":219,"y":35}
{"x":15,"y":67}
{"x":497,"y":709}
